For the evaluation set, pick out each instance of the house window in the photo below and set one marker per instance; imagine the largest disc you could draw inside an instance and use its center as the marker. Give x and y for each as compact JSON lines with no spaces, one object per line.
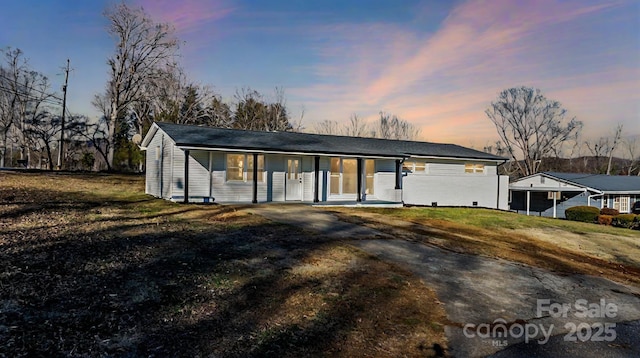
{"x":240,"y":167}
{"x":370,"y":169}
{"x":621,"y":203}
{"x":349,"y":176}
{"x":335,"y":176}
{"x":414,"y":167}
{"x":474,"y":168}
{"x":343,"y":178}
{"x":260,"y":168}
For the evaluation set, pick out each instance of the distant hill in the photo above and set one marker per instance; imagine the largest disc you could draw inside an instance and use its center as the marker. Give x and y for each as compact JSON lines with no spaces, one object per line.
{"x":585,"y":164}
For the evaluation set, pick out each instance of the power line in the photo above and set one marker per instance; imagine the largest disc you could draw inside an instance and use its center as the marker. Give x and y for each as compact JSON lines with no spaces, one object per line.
{"x":31,"y":89}
{"x":30,"y":96}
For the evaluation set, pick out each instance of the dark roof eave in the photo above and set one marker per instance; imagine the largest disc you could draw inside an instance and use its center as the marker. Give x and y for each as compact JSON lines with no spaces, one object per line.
{"x":271,"y":150}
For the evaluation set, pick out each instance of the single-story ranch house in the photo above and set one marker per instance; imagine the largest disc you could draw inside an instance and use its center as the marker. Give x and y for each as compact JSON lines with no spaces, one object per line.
{"x":233,"y":166}
{"x":550,"y":193}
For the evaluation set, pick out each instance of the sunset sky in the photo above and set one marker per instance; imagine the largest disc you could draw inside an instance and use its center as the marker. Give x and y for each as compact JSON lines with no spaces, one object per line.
{"x":437,"y":64}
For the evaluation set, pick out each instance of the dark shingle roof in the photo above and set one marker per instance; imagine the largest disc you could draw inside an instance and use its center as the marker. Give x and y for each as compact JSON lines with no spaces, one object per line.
{"x":195,"y":136}
{"x":606,"y":183}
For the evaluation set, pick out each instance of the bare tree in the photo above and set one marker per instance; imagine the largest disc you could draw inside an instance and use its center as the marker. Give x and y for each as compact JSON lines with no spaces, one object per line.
{"x":298,"y":126}
{"x":24,"y":95}
{"x":614,"y":145}
{"x":632,"y":148}
{"x":96,"y":134}
{"x":391,"y":127}
{"x":327,"y":127}
{"x":388,"y":127}
{"x":356,"y":127}
{"x":8,"y":110}
{"x":143,"y":49}
{"x":530,"y":125}
{"x":599,"y":150}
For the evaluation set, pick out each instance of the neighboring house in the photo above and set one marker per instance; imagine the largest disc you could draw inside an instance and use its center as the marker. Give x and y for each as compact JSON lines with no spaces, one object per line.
{"x":228,"y":165}
{"x":550,"y":193}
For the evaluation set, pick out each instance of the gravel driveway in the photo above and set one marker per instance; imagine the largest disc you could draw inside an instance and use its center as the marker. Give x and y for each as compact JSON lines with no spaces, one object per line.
{"x":497,"y":306}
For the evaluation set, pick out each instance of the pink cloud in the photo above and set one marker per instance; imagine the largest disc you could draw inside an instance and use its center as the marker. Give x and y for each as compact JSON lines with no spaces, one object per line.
{"x":187,"y":15}
{"x":444,"y":81}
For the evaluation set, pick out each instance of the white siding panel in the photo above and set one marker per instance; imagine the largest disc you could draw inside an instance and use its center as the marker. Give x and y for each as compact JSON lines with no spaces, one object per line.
{"x":198,"y":173}
{"x":307,"y":178}
{"x":452,"y":190}
{"x":152,"y":166}
{"x":504,"y":193}
{"x":307,"y":186}
{"x":445,"y":168}
{"x":167,"y":166}
{"x":278,"y":186}
{"x":276,"y":172}
{"x":177,"y":180}
{"x":385,"y":184}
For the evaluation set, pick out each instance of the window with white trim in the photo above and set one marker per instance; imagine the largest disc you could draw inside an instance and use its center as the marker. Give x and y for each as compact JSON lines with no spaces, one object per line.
{"x":240,"y":167}
{"x":369,"y":171}
{"x":621,"y":203}
{"x":343,"y":176}
{"x":474,"y":168}
{"x":414,"y":166}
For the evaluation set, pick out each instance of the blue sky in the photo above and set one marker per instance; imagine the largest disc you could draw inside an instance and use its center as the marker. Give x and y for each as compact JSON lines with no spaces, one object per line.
{"x":437,"y":64}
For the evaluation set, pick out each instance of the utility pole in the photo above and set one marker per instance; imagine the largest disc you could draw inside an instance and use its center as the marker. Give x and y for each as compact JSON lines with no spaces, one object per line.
{"x":64,"y":108}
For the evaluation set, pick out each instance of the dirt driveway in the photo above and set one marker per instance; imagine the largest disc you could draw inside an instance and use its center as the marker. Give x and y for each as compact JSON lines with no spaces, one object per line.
{"x":498,"y":306}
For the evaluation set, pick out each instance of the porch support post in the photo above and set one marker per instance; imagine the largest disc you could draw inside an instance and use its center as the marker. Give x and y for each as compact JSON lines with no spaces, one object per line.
{"x":316,"y":182}
{"x":554,"y":206}
{"x":359,"y":170}
{"x":255,"y":178}
{"x":186,"y":176}
{"x":398,"y":174}
{"x":528,"y":201}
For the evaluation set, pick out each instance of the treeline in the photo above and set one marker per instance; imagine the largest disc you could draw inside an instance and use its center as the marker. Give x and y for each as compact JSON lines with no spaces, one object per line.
{"x":30,"y":118}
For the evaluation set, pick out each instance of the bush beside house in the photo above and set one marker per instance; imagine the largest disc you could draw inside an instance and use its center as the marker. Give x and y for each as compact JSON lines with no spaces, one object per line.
{"x":605,"y":216}
{"x":587,"y":214}
{"x":609,"y":211}
{"x":625,"y":220}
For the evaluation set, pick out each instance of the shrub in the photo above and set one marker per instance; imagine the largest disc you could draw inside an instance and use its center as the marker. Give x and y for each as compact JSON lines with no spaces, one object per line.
{"x":586,"y":214}
{"x":625,"y":220}
{"x":609,"y":211}
{"x":605,"y":219}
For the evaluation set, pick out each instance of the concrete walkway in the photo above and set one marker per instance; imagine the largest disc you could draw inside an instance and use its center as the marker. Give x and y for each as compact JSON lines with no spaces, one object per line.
{"x":493,"y":304}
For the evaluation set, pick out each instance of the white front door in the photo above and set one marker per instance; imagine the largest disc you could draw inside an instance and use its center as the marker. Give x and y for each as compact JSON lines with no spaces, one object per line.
{"x":293,"y":184}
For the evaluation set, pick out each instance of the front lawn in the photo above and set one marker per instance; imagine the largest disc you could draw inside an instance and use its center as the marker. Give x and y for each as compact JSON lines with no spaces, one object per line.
{"x":91,"y":266}
{"x":558,"y":245}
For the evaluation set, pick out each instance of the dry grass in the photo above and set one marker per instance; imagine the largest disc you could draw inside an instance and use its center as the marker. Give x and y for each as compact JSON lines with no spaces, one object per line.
{"x":90,"y":266}
{"x":557,"y":245}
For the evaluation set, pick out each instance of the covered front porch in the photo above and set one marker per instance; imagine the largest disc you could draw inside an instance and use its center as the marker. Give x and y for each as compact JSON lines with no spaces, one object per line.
{"x":258,"y":177}
{"x":543,"y":200}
